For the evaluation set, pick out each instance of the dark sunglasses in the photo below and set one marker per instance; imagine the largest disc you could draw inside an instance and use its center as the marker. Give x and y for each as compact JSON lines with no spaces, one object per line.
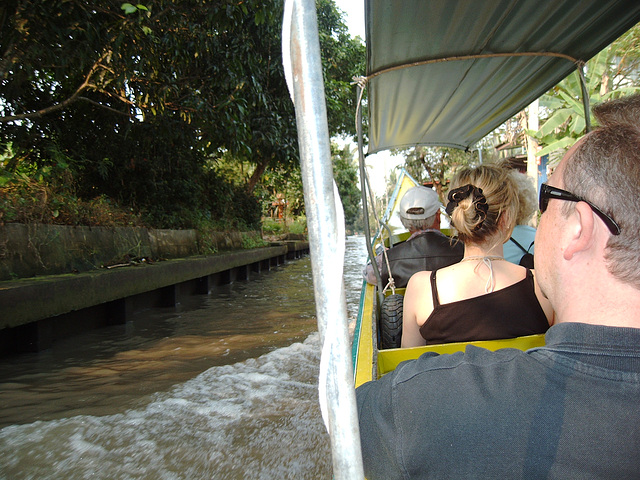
{"x":548,"y":192}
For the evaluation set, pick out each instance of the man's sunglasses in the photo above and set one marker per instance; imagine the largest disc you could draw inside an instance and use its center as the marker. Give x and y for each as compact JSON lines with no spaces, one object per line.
{"x":548,"y":192}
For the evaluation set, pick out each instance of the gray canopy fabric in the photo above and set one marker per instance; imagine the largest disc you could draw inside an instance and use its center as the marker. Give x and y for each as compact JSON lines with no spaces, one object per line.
{"x":459,"y":101}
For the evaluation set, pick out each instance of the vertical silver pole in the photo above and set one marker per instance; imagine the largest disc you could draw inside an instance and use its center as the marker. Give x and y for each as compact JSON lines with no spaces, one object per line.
{"x":326,"y":245}
{"x":532,"y":146}
{"x":585,"y":98}
{"x":365,"y":187}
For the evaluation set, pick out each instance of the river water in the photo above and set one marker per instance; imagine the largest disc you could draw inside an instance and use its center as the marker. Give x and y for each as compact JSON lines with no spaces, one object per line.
{"x":221,"y":387}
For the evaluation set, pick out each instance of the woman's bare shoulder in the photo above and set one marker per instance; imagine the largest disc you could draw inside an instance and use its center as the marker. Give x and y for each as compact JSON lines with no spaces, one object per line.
{"x":418,"y":284}
{"x":419,"y":278}
{"x":422,"y":275}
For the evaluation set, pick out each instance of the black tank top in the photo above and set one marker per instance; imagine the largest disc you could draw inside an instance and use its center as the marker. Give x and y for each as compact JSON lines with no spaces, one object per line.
{"x":510,"y":312}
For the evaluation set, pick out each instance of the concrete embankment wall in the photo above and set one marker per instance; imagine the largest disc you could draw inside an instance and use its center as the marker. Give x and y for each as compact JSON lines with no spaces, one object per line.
{"x":34,"y":312}
{"x":39,"y":249}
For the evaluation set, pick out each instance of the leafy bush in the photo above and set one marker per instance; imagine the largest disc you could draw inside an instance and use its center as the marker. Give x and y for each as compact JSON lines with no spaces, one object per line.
{"x":228,"y":205}
{"x":177,"y":193}
{"x":299,"y":226}
{"x":272,"y":227}
{"x":41,"y":197}
{"x":252,"y":240}
{"x":275,"y":227}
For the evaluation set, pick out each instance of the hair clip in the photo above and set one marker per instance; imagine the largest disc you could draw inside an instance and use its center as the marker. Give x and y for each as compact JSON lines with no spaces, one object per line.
{"x":456,"y":195}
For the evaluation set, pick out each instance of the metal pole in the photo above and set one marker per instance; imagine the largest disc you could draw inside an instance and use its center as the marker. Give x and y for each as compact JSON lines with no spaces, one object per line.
{"x":532,"y":146}
{"x":326,"y":244}
{"x":585,"y":98}
{"x":365,"y":186}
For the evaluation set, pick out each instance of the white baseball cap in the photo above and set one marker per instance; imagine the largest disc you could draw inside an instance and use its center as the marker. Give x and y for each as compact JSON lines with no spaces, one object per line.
{"x":419,"y":203}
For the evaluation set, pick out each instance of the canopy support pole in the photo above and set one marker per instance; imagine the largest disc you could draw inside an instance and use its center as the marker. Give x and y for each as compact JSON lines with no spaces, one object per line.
{"x":364,"y":188}
{"x":585,"y":98}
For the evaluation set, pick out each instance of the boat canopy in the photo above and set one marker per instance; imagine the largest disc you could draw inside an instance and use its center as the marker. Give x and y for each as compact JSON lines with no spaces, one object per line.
{"x":447,"y":73}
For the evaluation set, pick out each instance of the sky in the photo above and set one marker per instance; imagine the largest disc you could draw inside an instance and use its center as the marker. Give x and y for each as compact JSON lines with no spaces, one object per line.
{"x":380,"y":164}
{"x":355,"y":15}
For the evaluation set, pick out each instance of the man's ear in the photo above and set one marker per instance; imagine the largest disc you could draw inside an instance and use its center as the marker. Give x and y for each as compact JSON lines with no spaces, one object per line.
{"x":436,"y":221}
{"x":579,"y":230}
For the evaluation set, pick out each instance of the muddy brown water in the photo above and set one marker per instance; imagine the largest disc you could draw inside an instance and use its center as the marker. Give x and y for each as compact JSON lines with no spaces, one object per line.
{"x":224,"y":387}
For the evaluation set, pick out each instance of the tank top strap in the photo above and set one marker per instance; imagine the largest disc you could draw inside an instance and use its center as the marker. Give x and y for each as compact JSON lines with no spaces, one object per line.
{"x":434,"y":290}
{"x":529,"y":278}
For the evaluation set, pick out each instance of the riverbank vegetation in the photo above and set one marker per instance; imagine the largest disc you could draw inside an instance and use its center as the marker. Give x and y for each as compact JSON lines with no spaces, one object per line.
{"x":164,"y":114}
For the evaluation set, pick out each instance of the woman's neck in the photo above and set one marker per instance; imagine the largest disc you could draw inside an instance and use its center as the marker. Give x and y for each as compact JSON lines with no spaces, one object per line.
{"x":473,"y":250}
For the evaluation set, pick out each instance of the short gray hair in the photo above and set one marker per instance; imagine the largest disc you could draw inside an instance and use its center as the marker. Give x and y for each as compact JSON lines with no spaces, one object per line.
{"x":604,"y":168}
{"x":527,"y":195}
{"x":418,"y":224}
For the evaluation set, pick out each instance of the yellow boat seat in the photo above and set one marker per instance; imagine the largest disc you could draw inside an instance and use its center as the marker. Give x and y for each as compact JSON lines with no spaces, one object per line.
{"x":389,"y":359}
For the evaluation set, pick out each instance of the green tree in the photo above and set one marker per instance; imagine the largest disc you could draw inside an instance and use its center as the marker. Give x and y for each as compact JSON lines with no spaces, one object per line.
{"x":611,"y":73}
{"x":437,"y":164}
{"x":140,"y":99}
{"x":343,"y":58}
{"x":345,"y":173}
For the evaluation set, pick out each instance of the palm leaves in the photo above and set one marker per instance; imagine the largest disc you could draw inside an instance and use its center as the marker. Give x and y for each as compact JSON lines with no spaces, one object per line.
{"x":566,"y":121}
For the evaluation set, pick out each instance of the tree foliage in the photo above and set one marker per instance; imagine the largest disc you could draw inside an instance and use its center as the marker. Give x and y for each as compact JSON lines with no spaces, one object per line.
{"x":140,"y":101}
{"x":611,"y":73}
{"x":345,"y":174}
{"x":436,"y":165}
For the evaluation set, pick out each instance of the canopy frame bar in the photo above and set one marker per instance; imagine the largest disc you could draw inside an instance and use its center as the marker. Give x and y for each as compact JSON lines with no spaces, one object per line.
{"x":477,"y":56}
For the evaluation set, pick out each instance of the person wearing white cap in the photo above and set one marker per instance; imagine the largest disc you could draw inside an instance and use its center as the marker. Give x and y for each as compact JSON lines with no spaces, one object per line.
{"x":426,"y":249}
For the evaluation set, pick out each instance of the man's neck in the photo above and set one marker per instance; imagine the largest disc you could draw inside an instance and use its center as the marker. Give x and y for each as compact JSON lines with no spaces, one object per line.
{"x":420,"y":232}
{"x":607,"y":302}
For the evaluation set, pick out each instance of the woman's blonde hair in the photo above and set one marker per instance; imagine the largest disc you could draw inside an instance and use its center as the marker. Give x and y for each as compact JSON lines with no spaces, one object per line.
{"x":501,"y":192}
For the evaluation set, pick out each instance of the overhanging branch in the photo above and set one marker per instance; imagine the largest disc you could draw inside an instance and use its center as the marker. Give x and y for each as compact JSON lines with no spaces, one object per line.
{"x":72,"y":99}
